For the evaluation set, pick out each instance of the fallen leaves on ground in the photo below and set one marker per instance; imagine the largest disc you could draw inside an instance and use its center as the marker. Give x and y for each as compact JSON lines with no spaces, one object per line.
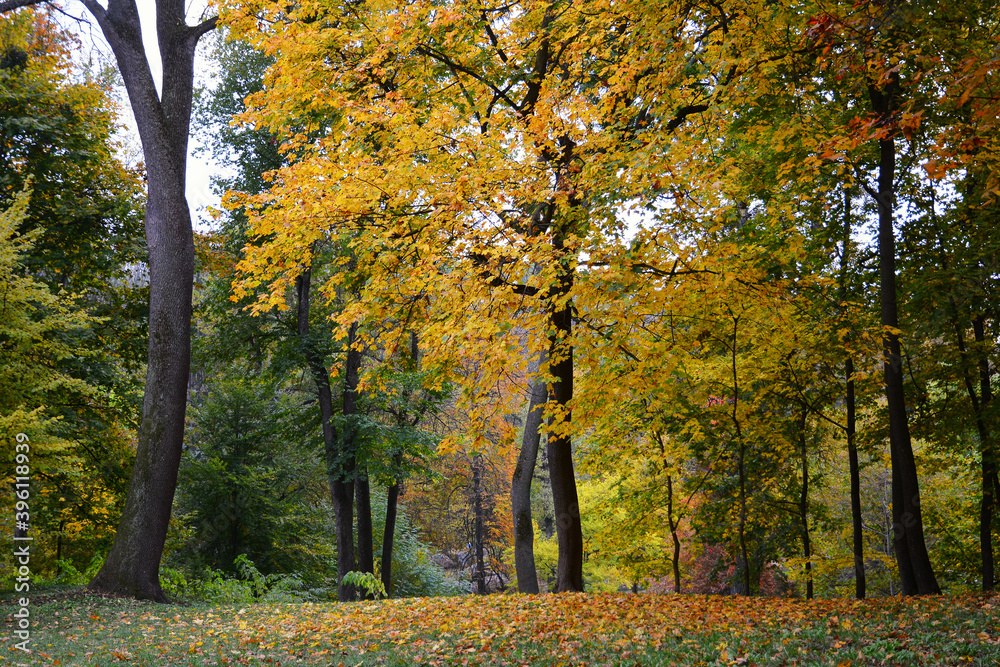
{"x":570,"y":629}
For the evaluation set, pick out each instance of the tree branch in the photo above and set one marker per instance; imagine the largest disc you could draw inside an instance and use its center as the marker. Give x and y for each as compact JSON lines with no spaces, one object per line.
{"x":458,"y":67}
{"x":205,"y":26}
{"x":11,"y":5}
{"x":681,"y":115}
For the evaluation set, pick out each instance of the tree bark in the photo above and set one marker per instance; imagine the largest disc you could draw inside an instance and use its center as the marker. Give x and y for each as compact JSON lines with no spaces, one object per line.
{"x":569,"y":531}
{"x":366,"y":542}
{"x":916,"y":574}
{"x":133,"y":564}
{"x":850,"y":428}
{"x":347,"y":451}
{"x":804,"y":502}
{"x":676,"y":559}
{"x":672,"y":523}
{"x":341,"y":490}
{"x":479,"y":536}
{"x":744,"y":565}
{"x":392,"y":494}
{"x":860,"y":579}
{"x":389,"y":535}
{"x":520,"y":488}
{"x":988,"y":456}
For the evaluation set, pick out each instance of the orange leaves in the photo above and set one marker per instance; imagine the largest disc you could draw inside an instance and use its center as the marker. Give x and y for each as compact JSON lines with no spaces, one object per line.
{"x":544,"y":629}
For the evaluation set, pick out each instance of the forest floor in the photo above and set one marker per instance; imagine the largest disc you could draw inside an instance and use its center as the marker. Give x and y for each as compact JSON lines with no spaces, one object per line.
{"x":576,"y":629}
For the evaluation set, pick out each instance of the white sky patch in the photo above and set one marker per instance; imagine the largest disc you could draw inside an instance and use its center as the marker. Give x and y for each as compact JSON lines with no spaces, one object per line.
{"x":95,"y":50}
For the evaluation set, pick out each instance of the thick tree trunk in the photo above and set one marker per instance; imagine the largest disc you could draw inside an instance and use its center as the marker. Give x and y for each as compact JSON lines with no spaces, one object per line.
{"x":133,"y":564}
{"x":860,"y":579}
{"x":341,"y":491}
{"x":569,"y":531}
{"x":520,"y":488}
{"x":916,"y":573}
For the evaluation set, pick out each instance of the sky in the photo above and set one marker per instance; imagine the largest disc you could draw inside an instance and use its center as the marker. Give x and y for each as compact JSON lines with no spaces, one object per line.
{"x":199,"y":169}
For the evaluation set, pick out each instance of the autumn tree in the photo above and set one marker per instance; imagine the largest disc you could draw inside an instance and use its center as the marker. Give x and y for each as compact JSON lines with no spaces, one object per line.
{"x":162,"y":116}
{"x":57,"y":123}
{"x":530,"y":113}
{"x":903,"y":66}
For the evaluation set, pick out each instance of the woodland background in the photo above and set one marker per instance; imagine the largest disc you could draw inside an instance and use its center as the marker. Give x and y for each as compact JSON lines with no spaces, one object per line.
{"x":667,"y":235}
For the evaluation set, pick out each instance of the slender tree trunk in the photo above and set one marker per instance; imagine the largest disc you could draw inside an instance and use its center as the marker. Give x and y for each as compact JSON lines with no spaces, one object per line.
{"x":366,"y":542}
{"x":744,"y":554}
{"x":338,"y":472}
{"x":671,"y":522}
{"x":916,"y":573}
{"x":362,"y":489}
{"x":804,"y":502}
{"x":985,"y":442}
{"x":520,"y":488}
{"x":389,"y":535}
{"x":676,"y":559}
{"x":348,"y":443}
{"x":989,"y":462}
{"x":860,"y":580}
{"x":392,"y":494}
{"x":479,"y":531}
{"x":132,"y":566}
{"x":741,"y":468}
{"x":59,"y":542}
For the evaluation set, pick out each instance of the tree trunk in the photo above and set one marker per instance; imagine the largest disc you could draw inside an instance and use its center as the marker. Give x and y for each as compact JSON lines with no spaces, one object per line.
{"x":676,"y":559}
{"x":744,"y":564}
{"x":989,"y":463}
{"x":569,"y":532}
{"x":916,"y":573}
{"x":132,"y":566}
{"x":392,"y":494}
{"x":388,"y":535}
{"x":479,"y":576}
{"x":520,"y":488}
{"x":804,"y":502}
{"x":671,"y":522}
{"x":341,"y":490}
{"x":860,"y":580}
{"x":347,"y":447}
{"x":366,"y":542}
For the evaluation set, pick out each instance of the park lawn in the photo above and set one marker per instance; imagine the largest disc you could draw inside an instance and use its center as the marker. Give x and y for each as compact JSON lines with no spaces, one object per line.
{"x":570,"y":629}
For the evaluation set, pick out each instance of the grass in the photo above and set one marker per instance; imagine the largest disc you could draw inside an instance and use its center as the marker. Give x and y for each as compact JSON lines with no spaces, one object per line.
{"x":72,"y":628}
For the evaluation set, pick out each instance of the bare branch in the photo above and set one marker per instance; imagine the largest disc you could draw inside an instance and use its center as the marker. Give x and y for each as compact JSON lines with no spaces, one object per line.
{"x":205,"y":26}
{"x":11,"y":5}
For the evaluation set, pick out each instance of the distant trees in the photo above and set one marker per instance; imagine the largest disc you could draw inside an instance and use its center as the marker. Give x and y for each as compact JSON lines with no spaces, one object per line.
{"x":73,"y":317}
{"x":669,"y":221}
{"x":482,"y":172}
